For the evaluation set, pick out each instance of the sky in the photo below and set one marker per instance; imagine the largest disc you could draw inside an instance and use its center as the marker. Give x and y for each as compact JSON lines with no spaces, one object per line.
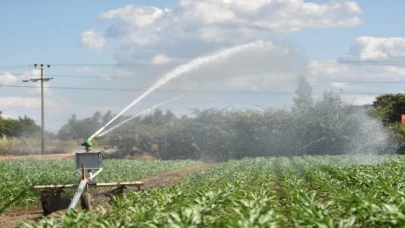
{"x":105,"y":54}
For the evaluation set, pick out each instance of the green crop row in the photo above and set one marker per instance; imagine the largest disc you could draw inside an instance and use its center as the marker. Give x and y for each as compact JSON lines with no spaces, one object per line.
{"x":323,"y":191}
{"x":17,"y":178}
{"x":233,"y":194}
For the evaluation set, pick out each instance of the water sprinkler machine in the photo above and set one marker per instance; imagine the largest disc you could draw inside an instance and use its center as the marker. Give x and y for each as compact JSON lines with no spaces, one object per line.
{"x":88,"y":165}
{"x":89,"y":143}
{"x":52,"y":196}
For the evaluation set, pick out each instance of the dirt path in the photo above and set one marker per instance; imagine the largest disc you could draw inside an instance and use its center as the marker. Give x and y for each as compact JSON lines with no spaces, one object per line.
{"x":165,"y":179}
{"x":71,"y":156}
{"x":38,"y":157}
{"x":13,"y":218}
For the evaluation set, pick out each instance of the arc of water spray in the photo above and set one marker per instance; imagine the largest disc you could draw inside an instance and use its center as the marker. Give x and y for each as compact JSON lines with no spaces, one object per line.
{"x":180,"y":70}
{"x":141,"y":113}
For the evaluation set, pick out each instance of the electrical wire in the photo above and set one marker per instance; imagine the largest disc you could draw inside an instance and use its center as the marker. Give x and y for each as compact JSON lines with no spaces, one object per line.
{"x":349,"y":62}
{"x":236,"y":79}
{"x":180,"y":91}
{"x":341,"y":62}
{"x":79,"y":76}
{"x":14,"y":66}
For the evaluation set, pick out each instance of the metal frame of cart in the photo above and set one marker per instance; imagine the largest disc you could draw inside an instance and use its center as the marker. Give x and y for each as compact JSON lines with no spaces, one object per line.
{"x":53,"y":196}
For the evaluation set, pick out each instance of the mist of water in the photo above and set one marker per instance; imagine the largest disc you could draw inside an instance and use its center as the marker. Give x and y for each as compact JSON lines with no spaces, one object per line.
{"x":332,"y":126}
{"x":141,"y":113}
{"x":369,"y":139}
{"x":192,"y":65}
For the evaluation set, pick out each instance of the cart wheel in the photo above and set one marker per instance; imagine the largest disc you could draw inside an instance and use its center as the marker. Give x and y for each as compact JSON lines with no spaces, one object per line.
{"x":46,"y":202}
{"x":86,"y":201}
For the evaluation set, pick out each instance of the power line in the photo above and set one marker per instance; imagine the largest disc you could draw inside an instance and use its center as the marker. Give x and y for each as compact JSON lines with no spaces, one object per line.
{"x":182,"y":91}
{"x":235,"y":79}
{"x":342,"y":62}
{"x":348,"y":62}
{"x":103,"y":64}
{"x":15,"y":66}
{"x":82,"y":77}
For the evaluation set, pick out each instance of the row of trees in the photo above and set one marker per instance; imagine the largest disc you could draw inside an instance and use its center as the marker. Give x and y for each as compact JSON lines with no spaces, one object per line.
{"x":313,"y":127}
{"x":389,"y":108}
{"x":21,"y":127}
{"x":325,"y":126}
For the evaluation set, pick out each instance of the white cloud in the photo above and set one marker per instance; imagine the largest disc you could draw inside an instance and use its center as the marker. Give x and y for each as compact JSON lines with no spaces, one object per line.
{"x":137,"y":16}
{"x":367,"y":48}
{"x":191,"y":26}
{"x":262,"y":68}
{"x":33,"y":74}
{"x":92,"y":40}
{"x":8,"y":79}
{"x":369,"y":58}
{"x":274,"y":16}
{"x":24,"y":102}
{"x":353,"y":7}
{"x":195,"y":28}
{"x":160,"y":59}
{"x":334,"y":70}
{"x":358,"y":84}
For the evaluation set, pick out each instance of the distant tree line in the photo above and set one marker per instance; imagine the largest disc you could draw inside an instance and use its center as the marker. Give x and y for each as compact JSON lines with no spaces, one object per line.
{"x":20,"y":127}
{"x":312,"y":127}
{"x":389,"y":109}
{"x":82,"y":129}
{"x":325,"y":126}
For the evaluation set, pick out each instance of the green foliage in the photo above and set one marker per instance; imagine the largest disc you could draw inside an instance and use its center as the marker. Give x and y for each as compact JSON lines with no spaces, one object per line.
{"x":304,"y":95}
{"x":389,"y":107}
{"x":21,"y":127}
{"x":82,"y":129}
{"x":307,"y":191}
{"x":19,"y":177}
{"x":328,"y":126}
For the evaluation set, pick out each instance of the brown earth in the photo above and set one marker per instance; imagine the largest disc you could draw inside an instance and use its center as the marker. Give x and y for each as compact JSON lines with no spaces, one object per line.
{"x":33,"y":213}
{"x":169,"y":178}
{"x":71,"y":156}
{"x":38,"y":157}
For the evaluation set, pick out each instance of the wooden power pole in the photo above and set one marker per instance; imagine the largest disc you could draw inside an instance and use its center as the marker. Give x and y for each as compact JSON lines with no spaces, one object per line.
{"x":42,"y":80}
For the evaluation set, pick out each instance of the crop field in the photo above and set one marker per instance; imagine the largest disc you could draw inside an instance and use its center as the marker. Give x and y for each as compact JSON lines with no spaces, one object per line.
{"x":324,"y":191}
{"x":19,"y":177}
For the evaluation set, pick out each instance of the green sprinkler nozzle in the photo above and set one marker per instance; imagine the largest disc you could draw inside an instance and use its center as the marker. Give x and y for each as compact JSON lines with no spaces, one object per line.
{"x":88,"y":143}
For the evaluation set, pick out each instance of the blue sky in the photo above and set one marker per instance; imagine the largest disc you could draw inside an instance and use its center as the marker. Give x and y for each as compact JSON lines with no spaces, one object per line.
{"x":52,"y":32}
{"x":47,"y":31}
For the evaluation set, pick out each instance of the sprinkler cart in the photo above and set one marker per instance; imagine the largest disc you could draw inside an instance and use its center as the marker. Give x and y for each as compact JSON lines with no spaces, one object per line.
{"x":53,"y":196}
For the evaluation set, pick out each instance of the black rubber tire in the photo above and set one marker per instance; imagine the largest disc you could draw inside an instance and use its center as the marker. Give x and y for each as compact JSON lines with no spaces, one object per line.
{"x":86,"y":201}
{"x":45,"y":202}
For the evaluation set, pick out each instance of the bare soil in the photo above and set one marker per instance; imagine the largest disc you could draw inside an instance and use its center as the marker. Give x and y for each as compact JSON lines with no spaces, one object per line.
{"x":71,"y":156}
{"x":169,"y":178}
{"x":13,"y":218}
{"x":38,"y":157}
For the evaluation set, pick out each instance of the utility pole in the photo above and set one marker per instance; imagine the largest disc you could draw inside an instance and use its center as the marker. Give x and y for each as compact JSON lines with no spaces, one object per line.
{"x":42,"y":79}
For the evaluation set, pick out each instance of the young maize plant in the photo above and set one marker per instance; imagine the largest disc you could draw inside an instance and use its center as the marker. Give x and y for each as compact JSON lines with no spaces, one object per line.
{"x":307,"y":191}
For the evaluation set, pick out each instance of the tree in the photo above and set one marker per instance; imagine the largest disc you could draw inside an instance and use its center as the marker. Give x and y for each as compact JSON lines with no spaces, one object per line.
{"x":303,"y":100}
{"x":107,"y":117}
{"x":81,"y":129}
{"x":25,"y":127}
{"x":21,"y":127}
{"x":389,"y":107}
